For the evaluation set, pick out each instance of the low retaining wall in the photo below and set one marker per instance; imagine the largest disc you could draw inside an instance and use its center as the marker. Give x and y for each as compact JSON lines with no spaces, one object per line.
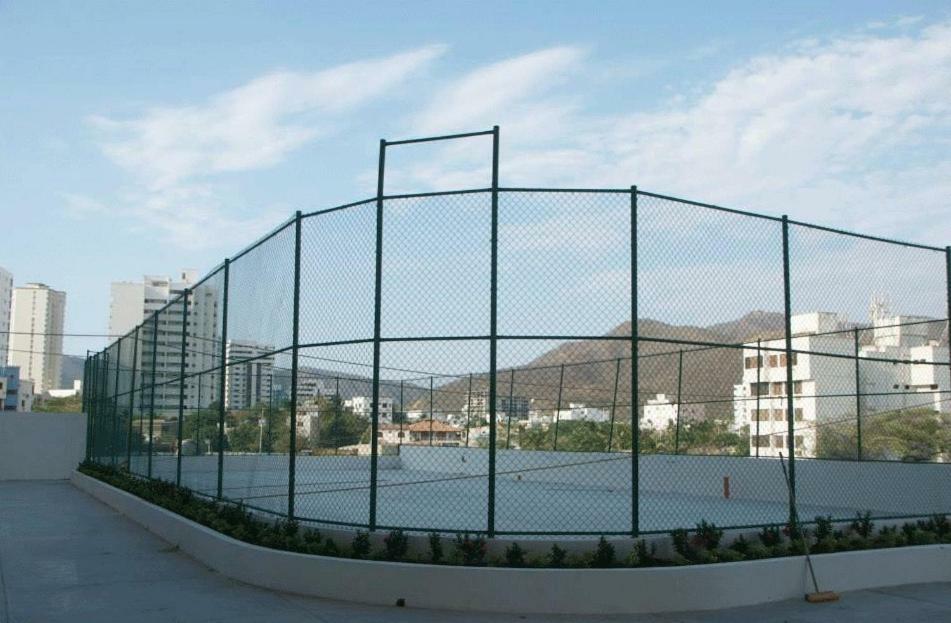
{"x":41,"y":446}
{"x":542,"y":591}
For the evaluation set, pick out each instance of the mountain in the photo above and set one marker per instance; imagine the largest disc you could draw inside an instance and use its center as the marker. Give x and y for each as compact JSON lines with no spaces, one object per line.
{"x":707,"y":374}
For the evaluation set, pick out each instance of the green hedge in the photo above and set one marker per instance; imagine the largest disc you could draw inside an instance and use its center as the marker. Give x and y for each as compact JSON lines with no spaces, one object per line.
{"x":701,"y":546}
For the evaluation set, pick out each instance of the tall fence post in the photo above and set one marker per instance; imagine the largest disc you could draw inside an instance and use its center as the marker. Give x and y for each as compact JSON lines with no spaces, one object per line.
{"x":181,"y":388}
{"x":431,"y":411}
{"x":377,"y":318}
{"x":493,"y":327}
{"x":790,"y":407}
{"x":858,"y":397}
{"x":135,"y":367}
{"x":222,"y":380}
{"x":759,"y":368}
{"x":85,"y":404}
{"x":617,"y":378}
{"x":102,"y":406}
{"x":680,"y":379}
{"x":114,"y":437}
{"x":947,"y":281}
{"x":561,"y":384}
{"x":468,"y":409}
{"x":511,"y":407}
{"x":635,"y":397}
{"x":295,"y":357}
{"x":155,"y":319}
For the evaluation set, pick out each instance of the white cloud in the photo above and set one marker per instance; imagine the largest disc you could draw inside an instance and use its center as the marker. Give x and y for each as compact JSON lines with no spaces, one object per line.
{"x":835,"y":131}
{"x":173,"y":152}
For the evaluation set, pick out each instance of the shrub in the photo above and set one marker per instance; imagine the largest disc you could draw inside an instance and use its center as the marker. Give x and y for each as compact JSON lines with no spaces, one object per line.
{"x":395,"y":545}
{"x":641,"y":556}
{"x":730,"y":555}
{"x":862,"y":524}
{"x":740,"y":545}
{"x":330,"y":548}
{"x":603,"y":554}
{"x":680,"y":541}
{"x":823,"y":527}
{"x":471,"y":550}
{"x":435,"y":548}
{"x":557,"y":557}
{"x":514,"y":555}
{"x":757,"y":551}
{"x":709,"y":535}
{"x":360,"y":547}
{"x":770,"y":536}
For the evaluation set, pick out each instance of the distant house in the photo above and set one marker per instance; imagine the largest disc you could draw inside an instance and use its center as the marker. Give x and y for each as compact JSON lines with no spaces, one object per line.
{"x":660,"y":413}
{"x":435,"y":433}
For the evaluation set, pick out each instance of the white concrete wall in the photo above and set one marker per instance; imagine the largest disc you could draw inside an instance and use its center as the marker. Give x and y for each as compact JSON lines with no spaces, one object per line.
{"x":562,"y":591}
{"x":41,"y":446}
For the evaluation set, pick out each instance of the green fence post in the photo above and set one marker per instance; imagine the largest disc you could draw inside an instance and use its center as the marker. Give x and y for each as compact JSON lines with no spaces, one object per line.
{"x":114,"y":438}
{"x":468,"y":409}
{"x":377,"y":318}
{"x":221,"y":381}
{"x":947,"y":281}
{"x":155,"y":331}
{"x":181,"y":389}
{"x":508,"y":430}
{"x":680,"y":378}
{"x":759,"y":368}
{"x":85,"y":403}
{"x":292,"y":451}
{"x":790,"y":407}
{"x":561,"y":383}
{"x":858,"y":397}
{"x":493,"y":328}
{"x":431,"y":405}
{"x":135,"y":359}
{"x":617,"y":378}
{"x":635,"y":398}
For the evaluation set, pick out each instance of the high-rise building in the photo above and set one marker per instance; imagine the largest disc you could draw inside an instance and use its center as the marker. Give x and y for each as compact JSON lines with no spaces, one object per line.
{"x":249,"y":374}
{"x":36,"y":341}
{"x":136,"y":303}
{"x":6,"y":300}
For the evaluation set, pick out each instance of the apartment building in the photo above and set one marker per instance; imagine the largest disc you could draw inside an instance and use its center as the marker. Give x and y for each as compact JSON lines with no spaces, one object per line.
{"x":363,"y":406}
{"x":249,"y":374}
{"x":660,"y":413}
{"x":16,"y":394}
{"x":476,"y":406}
{"x":36,"y":342}
{"x":6,"y":301}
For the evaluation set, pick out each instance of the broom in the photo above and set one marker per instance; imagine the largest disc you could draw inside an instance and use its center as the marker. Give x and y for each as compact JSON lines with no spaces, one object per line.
{"x":816,"y":596}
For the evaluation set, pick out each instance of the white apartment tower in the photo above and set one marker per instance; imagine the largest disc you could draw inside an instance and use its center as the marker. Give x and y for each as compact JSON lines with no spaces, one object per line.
{"x":249,"y":374}
{"x":6,"y":300}
{"x":136,"y":303}
{"x":36,"y":341}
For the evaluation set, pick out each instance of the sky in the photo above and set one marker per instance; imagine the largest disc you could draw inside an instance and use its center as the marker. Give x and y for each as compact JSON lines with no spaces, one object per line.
{"x":143,"y":138}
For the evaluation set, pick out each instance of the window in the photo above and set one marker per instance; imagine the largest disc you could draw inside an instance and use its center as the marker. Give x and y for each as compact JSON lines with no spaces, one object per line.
{"x":761,"y":441}
{"x":773,"y":361}
{"x":778,"y":441}
{"x":777,"y":389}
{"x":798,"y":414}
{"x":782,"y":360}
{"x":753,"y":362}
{"x":761,"y":389}
{"x":800,"y":443}
{"x":797,"y":387}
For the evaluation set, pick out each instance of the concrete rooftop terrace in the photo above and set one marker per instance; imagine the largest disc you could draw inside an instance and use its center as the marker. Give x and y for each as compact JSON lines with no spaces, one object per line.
{"x":66,"y":557}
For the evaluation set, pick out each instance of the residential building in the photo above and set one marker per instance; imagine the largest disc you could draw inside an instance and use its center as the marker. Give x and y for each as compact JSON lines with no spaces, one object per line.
{"x":824,"y":377}
{"x":579,"y":412}
{"x":434,"y":433}
{"x":248,"y":375}
{"x":36,"y":342}
{"x":6,"y":301}
{"x":308,"y":417}
{"x":392,"y":434}
{"x":134,"y":303}
{"x":476,"y":406}
{"x":363,"y":406}
{"x":660,"y":413}
{"x":16,"y":394}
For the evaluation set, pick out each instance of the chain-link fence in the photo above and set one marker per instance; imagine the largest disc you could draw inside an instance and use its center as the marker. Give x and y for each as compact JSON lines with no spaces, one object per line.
{"x":466,"y":361}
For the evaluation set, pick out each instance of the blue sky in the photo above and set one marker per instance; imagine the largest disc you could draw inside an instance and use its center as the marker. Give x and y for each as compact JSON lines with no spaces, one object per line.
{"x":128,"y":129}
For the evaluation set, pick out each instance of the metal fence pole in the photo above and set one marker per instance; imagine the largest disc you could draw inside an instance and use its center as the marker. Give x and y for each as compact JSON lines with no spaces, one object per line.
{"x":135,"y":360}
{"x":468,"y":409}
{"x":377,"y":319}
{"x":85,"y":395}
{"x":114,"y":437}
{"x":399,"y":441}
{"x":89,"y":386}
{"x":181,"y":389}
{"x":295,"y":356}
{"x":617,"y":377}
{"x":947,"y":280}
{"x":493,"y":326}
{"x":759,"y":368}
{"x":561,"y":383}
{"x":430,"y":411}
{"x":858,"y":397}
{"x":790,"y":407}
{"x":680,"y":378}
{"x":508,"y":429}
{"x":635,"y":397}
{"x":222,"y":379}
{"x":155,"y":318}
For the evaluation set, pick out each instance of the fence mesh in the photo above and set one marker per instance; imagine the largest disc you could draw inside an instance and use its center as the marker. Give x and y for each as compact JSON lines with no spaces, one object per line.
{"x":465,"y":361}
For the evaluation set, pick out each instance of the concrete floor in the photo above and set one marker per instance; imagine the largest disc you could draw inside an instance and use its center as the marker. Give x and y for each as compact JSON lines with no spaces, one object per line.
{"x":66,"y":557}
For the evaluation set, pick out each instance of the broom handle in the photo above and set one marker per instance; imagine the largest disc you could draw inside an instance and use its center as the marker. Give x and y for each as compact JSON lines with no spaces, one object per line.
{"x":795,"y":518}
